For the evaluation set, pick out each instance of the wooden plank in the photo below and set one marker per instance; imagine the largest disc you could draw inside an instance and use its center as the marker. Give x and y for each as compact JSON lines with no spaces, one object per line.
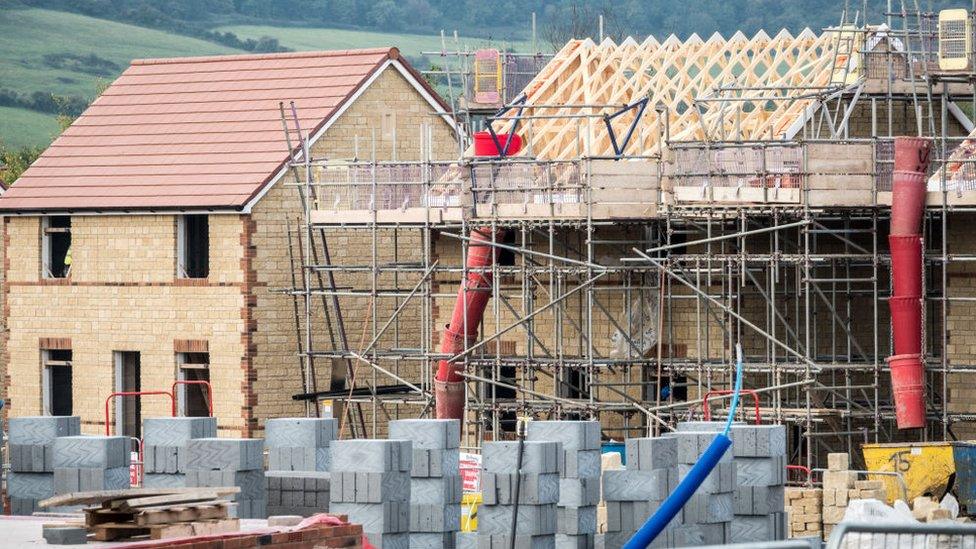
{"x":182,"y":514}
{"x":200,"y":528}
{"x":191,"y":497}
{"x":86,"y":498}
{"x":98,"y":515}
{"x":112,"y":531}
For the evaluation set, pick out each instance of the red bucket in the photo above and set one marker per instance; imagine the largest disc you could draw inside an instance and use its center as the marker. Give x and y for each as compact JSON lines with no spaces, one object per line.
{"x":907,"y":203}
{"x":906,"y":324}
{"x":906,"y":265}
{"x":484,"y":145}
{"x":908,"y":389}
{"x":912,"y":154}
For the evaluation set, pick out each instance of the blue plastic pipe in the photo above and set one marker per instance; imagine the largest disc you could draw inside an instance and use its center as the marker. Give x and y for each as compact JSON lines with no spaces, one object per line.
{"x":687,"y":488}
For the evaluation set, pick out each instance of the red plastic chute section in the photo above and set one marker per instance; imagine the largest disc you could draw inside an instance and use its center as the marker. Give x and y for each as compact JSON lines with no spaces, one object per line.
{"x":469,"y":308}
{"x":907,"y":202}
{"x":909,"y":390}
{"x":905,"y":241}
{"x":484,"y":145}
{"x":906,"y":264}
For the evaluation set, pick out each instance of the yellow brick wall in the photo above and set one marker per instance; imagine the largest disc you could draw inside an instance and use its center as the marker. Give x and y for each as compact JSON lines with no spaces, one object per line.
{"x":123,"y":296}
{"x":276,"y":362}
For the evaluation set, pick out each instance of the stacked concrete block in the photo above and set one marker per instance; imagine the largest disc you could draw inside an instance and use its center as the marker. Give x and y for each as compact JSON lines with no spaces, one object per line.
{"x":759,"y":453}
{"x":90,"y":463}
{"x":300,"y":444}
{"x":579,"y":478}
{"x":537,"y":484}
{"x":226,"y":462}
{"x":838,"y":481}
{"x":302,"y":493}
{"x":31,"y":447}
{"x":804,"y":508}
{"x":435,"y":480}
{"x":371,"y":485}
{"x":712,"y":507}
{"x":164,"y":447}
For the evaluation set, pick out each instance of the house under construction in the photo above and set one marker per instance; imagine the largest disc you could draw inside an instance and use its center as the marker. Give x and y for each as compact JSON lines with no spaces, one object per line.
{"x":669,"y":199}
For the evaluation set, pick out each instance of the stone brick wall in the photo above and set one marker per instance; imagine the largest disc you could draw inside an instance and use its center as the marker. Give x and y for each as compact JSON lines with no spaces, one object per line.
{"x":389,"y":100}
{"x":123,"y":295}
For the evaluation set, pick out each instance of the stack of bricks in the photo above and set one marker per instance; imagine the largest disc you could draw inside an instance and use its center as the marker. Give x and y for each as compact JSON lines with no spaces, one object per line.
{"x":838,"y":481}
{"x":759,"y":454}
{"x":804,"y":510}
{"x":435,"y":480}
{"x":371,"y":485}
{"x":299,"y":458}
{"x":31,"y":441}
{"x":712,"y":506}
{"x":537,"y":486}
{"x":302,"y":493}
{"x":88,"y":464}
{"x":227,"y":462}
{"x":164,"y":448}
{"x":579,"y":478}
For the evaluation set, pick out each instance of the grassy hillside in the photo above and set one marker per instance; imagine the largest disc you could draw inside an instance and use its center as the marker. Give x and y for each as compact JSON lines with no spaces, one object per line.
{"x":19,"y":127}
{"x":330,"y":39}
{"x":50,"y":52}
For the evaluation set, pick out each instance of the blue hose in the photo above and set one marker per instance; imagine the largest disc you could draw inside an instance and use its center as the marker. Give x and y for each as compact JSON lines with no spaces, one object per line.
{"x":687,"y":488}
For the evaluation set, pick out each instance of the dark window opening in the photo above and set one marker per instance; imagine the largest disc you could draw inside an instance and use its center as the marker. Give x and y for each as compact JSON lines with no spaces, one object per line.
{"x":57,"y":383}
{"x":194,"y":398}
{"x":194,"y":244}
{"x":57,"y":246}
{"x":128,"y":409}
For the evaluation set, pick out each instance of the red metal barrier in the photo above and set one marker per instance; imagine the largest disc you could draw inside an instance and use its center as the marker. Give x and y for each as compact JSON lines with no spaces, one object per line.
{"x":801,"y":469}
{"x":172,"y":390}
{"x":108,"y":422}
{"x":708,"y":411}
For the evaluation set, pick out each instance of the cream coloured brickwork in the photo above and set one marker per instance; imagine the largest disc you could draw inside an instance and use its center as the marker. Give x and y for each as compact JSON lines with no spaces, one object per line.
{"x":123,"y":296}
{"x":389,"y":100}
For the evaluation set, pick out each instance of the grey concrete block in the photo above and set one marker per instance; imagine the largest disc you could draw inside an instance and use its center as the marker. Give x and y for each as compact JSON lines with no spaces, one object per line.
{"x":383,"y":518}
{"x":760,"y":471}
{"x":759,"y":440}
{"x":435,"y":517}
{"x":176,"y":431}
{"x":289,"y":458}
{"x":579,"y":464}
{"x":576,"y":520}
{"x":579,"y":492}
{"x":303,"y":432}
{"x":433,"y":540}
{"x":709,"y":426}
{"x":428,"y":434}
{"x":65,"y":535}
{"x":719,"y":533}
{"x":573,"y":435}
{"x":439,"y":490}
{"x":372,"y":456}
{"x":635,"y":485}
{"x":164,"y":459}
{"x":164,"y":480}
{"x":435,"y":463}
{"x":575,"y":541}
{"x":752,"y":529}
{"x":86,"y":479}
{"x":628,"y":516}
{"x":251,"y":483}
{"x":388,"y":540}
{"x":24,"y":506}
{"x":709,"y":508}
{"x":534,"y":489}
{"x":359,"y":487}
{"x":759,"y":500}
{"x":91,"y":451}
{"x":647,"y":454}
{"x":503,"y":541}
{"x":30,"y":485}
{"x":41,"y":429}
{"x":466,"y":540}
{"x":234,"y":454}
{"x":31,"y":458}
{"x":531,"y":520}
{"x":251,"y":508}
{"x":537,"y":457}
{"x":721,"y":479}
{"x":692,"y":444}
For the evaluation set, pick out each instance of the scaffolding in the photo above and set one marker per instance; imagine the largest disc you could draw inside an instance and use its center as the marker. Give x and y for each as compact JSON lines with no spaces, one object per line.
{"x":623,"y":283}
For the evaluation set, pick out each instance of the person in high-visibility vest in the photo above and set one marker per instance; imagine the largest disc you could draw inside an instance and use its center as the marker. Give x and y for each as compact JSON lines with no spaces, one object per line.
{"x":67,"y":261}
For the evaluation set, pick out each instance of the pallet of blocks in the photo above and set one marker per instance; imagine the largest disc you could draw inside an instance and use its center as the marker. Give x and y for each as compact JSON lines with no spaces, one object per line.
{"x":164,"y":451}
{"x":526,"y":496}
{"x":298,"y":481}
{"x":230,"y":462}
{"x":149,"y":513}
{"x":838,"y":485}
{"x":31,"y":453}
{"x":804,"y":507}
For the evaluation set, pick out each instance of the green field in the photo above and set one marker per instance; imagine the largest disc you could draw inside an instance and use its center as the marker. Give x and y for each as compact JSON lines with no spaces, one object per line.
{"x":299,"y":38}
{"x":26,"y":36}
{"x":19,"y":127}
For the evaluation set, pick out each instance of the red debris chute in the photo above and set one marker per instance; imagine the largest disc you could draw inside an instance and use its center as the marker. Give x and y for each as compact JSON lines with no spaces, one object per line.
{"x":469,"y":309}
{"x":905,"y":242}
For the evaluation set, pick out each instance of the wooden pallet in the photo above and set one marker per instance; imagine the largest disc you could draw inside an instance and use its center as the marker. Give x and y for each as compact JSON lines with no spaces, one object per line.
{"x":111,"y":531}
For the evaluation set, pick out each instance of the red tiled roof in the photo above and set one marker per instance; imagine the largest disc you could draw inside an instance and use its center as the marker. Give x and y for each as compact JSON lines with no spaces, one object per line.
{"x":198,"y":132}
